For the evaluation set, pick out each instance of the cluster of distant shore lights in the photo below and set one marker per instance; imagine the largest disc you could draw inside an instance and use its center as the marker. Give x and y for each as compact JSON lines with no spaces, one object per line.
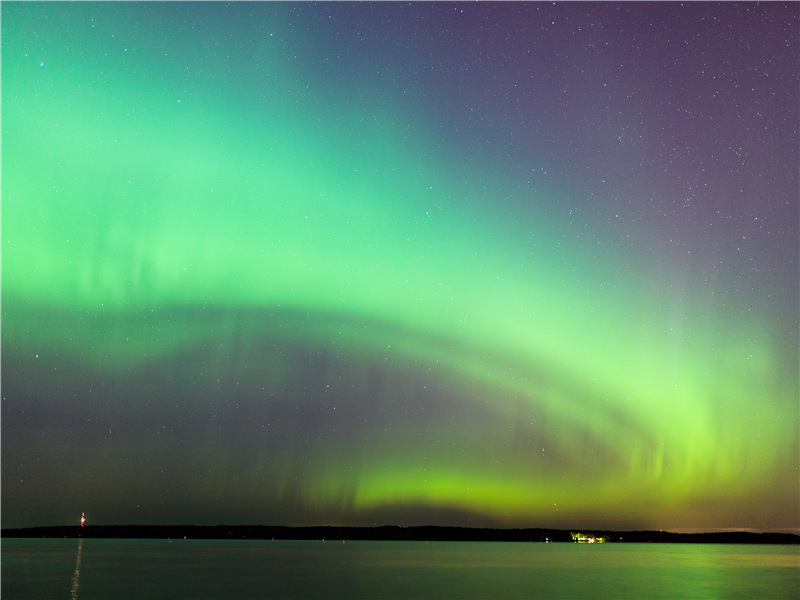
{"x":582,"y":538}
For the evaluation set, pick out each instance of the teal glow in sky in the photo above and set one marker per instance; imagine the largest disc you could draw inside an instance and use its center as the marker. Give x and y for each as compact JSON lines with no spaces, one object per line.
{"x":475,"y":264}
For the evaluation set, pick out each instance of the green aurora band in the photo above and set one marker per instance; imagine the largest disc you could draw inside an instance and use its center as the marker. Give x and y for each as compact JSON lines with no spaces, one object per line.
{"x":366,"y":326}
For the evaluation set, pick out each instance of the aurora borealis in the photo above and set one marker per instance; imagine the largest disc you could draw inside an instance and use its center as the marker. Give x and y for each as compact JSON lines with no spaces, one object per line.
{"x":519,"y":265}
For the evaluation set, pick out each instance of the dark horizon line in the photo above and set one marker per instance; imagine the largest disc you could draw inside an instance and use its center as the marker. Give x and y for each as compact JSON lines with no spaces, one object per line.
{"x":392,"y":533}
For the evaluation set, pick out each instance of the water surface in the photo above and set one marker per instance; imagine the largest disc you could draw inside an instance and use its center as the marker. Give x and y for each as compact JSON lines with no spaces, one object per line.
{"x":153,"y":569}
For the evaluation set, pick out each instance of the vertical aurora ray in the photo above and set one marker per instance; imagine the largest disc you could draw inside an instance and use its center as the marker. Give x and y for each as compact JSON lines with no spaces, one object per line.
{"x":227,"y":282}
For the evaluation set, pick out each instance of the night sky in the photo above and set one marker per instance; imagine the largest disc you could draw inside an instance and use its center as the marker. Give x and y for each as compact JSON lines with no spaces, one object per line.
{"x":487,"y":264}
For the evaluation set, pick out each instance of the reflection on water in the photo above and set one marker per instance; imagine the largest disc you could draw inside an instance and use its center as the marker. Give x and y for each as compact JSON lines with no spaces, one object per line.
{"x":77,"y":573}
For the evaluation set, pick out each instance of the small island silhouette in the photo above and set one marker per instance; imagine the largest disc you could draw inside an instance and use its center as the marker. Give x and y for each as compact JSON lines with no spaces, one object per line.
{"x":431,"y":533}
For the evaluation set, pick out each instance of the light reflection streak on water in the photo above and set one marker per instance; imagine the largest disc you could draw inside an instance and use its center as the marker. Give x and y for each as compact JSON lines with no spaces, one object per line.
{"x":77,"y":574}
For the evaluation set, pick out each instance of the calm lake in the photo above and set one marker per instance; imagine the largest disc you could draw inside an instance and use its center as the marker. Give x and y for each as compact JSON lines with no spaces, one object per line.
{"x":155,"y":569}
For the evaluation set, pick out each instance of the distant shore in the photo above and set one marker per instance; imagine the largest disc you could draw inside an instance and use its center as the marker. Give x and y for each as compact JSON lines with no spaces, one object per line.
{"x":392,"y":533}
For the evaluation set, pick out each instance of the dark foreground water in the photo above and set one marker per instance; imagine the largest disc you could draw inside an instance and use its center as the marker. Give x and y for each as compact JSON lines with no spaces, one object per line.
{"x":155,"y":569}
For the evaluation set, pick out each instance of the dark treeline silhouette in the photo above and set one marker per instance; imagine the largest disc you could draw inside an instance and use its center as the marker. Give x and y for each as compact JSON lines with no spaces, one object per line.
{"x":391,"y":533}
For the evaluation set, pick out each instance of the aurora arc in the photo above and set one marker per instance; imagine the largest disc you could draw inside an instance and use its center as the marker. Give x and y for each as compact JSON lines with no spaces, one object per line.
{"x":379,"y":335}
